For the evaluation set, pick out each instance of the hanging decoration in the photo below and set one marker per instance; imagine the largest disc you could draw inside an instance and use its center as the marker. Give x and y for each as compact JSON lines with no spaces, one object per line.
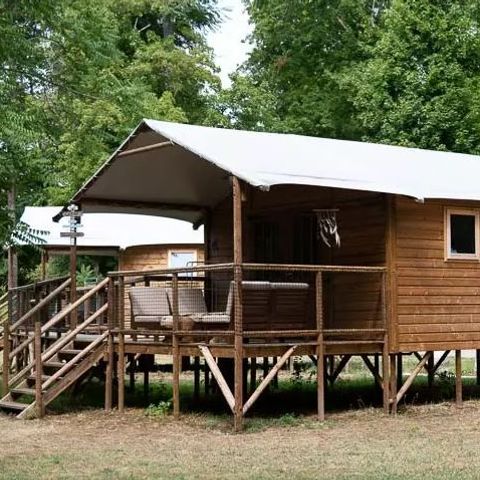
{"x":327,"y":227}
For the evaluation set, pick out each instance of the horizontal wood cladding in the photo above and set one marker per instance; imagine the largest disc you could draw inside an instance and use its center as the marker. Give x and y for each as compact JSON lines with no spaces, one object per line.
{"x":438,"y":301}
{"x":149,"y":257}
{"x":351,"y":300}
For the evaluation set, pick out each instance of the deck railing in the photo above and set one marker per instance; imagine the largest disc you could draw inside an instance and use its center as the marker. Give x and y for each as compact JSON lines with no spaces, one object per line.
{"x":275,"y":301}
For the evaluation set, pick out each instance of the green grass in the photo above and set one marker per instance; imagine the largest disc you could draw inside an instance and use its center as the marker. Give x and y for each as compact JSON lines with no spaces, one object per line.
{"x":429,"y":439}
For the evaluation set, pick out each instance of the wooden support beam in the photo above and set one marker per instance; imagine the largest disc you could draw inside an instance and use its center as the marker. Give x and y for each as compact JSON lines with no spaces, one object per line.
{"x":6,"y":346}
{"x":385,"y":384}
{"x":206,"y":378}
{"x":147,"y":148}
{"x":271,"y":374}
{"x":38,"y":367}
{"x":238,"y":303}
{"x":146,"y":382}
{"x":458,"y":378}
{"x":373,"y":370}
{"x":339,"y":368}
{"x":430,"y":370}
{"x":121,"y":345}
{"x":131,"y":372}
{"x":222,"y":384}
{"x":121,"y":372}
{"x":399,"y":370}
{"x":412,"y":376}
{"x":393,"y":383}
{"x":320,"y":347}
{"x":275,"y":378}
{"x":175,"y":348}
{"x":253,"y":374}
{"x":109,"y":374}
{"x":196,"y":378}
{"x":442,"y":358}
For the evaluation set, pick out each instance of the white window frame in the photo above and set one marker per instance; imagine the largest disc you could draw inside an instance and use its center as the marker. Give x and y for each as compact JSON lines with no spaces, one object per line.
{"x":448,"y":238}
{"x":181,"y":250}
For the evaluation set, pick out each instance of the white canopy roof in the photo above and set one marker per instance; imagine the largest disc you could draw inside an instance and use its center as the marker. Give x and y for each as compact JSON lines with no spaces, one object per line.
{"x":111,"y":230}
{"x":192,"y":173}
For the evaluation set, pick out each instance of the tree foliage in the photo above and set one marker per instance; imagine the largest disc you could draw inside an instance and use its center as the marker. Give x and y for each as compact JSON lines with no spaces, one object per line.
{"x":396,"y":71}
{"x":75,"y":80}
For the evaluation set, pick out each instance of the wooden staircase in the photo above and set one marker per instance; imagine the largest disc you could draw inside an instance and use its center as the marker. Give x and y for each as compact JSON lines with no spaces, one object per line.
{"x":57,"y":374}
{"x":55,"y":366}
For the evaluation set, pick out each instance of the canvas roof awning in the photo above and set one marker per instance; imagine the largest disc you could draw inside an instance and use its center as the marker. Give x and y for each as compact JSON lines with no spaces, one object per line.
{"x":106,"y":233}
{"x":179,"y":170}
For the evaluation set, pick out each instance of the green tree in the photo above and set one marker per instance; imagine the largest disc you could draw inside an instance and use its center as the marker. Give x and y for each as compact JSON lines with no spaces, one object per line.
{"x":420,"y":84}
{"x":299,"y":48}
{"x":75,"y":80}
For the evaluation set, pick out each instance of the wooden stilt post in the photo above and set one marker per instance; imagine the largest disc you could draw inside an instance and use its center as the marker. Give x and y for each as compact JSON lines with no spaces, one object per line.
{"x":265,"y":366}
{"x":74,"y":217}
{"x":458,"y":378}
{"x":146,"y":382}
{"x":110,"y":350}
{"x":175,"y":349}
{"x":38,"y":367}
{"x":121,"y":345}
{"x":385,"y":348}
{"x":430,"y":370}
{"x":275,"y":378}
{"x":6,"y":345}
{"x":131,"y":380}
{"x":399,"y":371}
{"x":320,"y":347}
{"x":253,"y":374}
{"x":238,"y":313}
{"x":196,"y":378}
{"x":393,"y":383}
{"x":207,"y":378}
{"x":376,"y":367}
{"x":385,"y":371}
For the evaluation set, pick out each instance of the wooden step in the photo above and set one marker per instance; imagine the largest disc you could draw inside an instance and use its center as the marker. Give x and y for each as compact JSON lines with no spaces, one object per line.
{"x":23,"y":391}
{"x":31,"y":379}
{"x":53,"y":364}
{"x":12,"y":405}
{"x":69,"y":352}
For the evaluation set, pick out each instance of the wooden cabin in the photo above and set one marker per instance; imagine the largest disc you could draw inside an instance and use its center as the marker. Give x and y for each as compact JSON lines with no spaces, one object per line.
{"x":134,"y":242}
{"x":315,"y":246}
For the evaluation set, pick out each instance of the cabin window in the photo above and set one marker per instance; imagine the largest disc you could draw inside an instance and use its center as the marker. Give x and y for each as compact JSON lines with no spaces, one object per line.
{"x":181,"y":258}
{"x":462,"y":234}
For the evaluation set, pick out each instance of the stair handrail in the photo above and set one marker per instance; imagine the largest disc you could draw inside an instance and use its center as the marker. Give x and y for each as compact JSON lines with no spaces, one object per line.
{"x":62,"y":341}
{"x":38,"y":284}
{"x":41,"y":304}
{"x":53,"y":321}
{"x":3,"y":307}
{"x":59,"y":344}
{"x":68,"y":366}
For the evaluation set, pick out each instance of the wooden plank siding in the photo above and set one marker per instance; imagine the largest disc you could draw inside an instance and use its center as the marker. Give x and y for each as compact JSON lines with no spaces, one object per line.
{"x":438,"y":301}
{"x":149,"y":257}
{"x":351,"y":300}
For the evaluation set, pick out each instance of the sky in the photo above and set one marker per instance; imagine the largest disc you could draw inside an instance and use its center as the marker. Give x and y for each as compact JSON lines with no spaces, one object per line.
{"x":226,"y":41}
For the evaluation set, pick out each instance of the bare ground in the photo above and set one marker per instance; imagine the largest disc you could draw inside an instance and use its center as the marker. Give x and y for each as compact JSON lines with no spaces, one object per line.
{"x":425,"y":442}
